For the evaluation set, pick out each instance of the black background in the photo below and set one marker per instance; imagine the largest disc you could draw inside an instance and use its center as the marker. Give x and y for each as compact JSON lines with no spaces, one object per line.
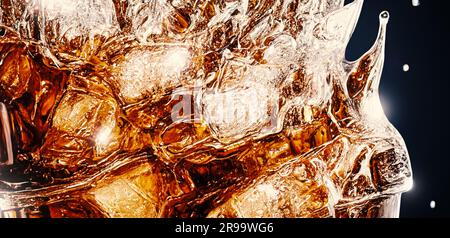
{"x":417,"y":101}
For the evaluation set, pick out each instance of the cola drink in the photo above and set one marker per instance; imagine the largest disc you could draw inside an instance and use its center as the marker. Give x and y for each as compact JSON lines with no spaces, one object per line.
{"x":165,"y":108}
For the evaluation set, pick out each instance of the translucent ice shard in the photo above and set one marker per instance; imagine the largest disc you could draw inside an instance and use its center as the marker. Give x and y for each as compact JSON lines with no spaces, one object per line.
{"x":141,"y":68}
{"x":243,"y":102}
{"x":147,"y":17}
{"x":134,"y":194}
{"x":158,"y":108}
{"x":69,"y":19}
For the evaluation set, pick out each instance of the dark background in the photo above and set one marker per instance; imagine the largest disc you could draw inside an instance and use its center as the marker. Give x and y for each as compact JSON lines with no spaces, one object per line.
{"x":417,"y":101}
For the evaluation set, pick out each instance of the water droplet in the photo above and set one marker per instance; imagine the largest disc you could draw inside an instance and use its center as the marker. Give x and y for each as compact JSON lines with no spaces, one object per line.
{"x":415,"y":3}
{"x":432,"y":204}
{"x":384,"y":15}
{"x":406,"y":67}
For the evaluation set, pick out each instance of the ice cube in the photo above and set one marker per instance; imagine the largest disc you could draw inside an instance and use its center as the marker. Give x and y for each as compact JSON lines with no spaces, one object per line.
{"x":244,"y":101}
{"x":15,"y":72}
{"x":282,"y":51}
{"x":72,"y":18}
{"x":133,"y":194}
{"x":120,"y":199}
{"x":147,"y":17}
{"x":152,"y":71}
{"x":89,"y":117}
{"x":293,"y":191}
{"x":237,"y":112}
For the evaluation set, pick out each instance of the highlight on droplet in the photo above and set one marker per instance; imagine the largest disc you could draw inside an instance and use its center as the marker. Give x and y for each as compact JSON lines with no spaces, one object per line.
{"x":433,"y":204}
{"x":406,"y":67}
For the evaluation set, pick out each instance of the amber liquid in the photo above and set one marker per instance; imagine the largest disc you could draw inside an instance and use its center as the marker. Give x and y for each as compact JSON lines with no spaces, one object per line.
{"x":85,"y":148}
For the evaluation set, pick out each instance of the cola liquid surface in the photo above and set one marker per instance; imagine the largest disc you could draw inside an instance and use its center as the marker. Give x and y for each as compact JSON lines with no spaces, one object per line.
{"x":193,"y":109}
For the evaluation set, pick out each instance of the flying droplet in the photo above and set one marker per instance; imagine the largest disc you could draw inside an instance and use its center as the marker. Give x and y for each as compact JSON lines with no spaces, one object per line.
{"x":406,"y":67}
{"x":432,"y":204}
{"x":415,"y":3}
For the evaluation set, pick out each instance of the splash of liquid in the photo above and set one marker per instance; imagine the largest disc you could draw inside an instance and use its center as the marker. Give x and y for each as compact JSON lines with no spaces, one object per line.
{"x":191,"y":109}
